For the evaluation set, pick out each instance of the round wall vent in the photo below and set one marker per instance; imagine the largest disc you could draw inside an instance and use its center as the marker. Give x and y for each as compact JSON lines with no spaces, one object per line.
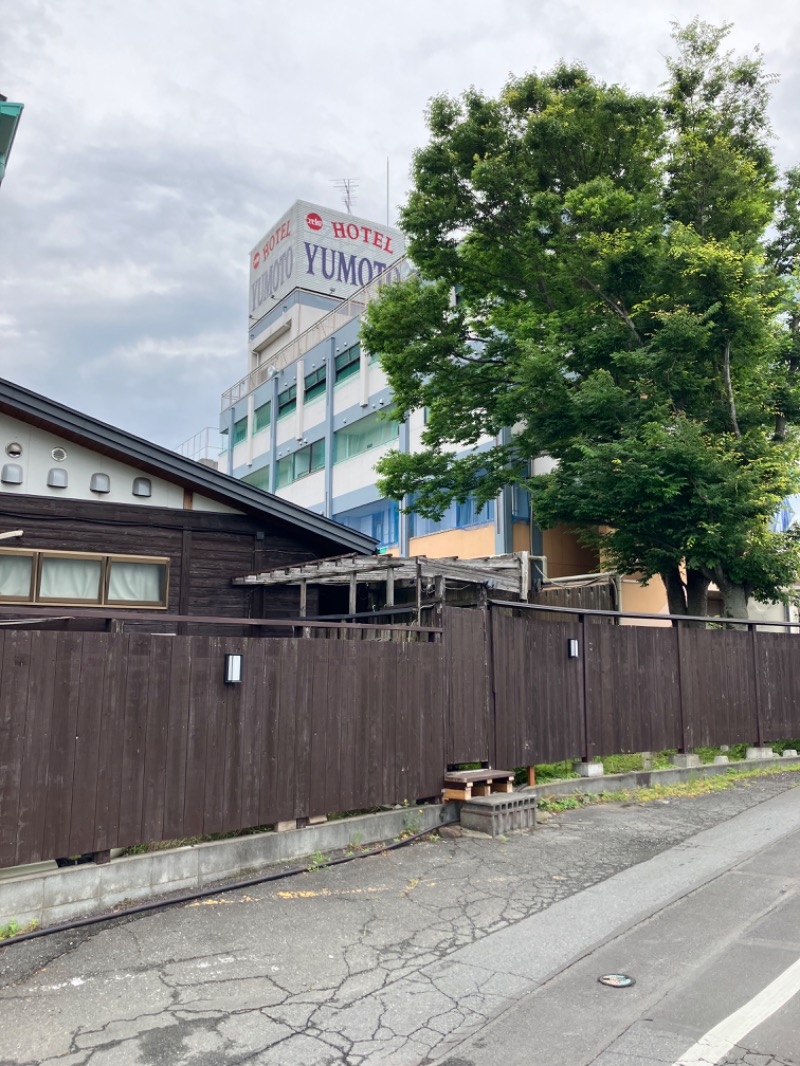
{"x":59,"y":454}
{"x":14,"y":449}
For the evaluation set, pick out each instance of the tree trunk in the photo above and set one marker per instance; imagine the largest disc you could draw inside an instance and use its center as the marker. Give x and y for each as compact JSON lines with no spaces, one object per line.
{"x":734,"y":596}
{"x":676,"y":591}
{"x":696,"y":594}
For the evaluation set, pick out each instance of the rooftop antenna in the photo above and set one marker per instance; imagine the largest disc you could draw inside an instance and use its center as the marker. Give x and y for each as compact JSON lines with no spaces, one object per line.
{"x":347,"y":188}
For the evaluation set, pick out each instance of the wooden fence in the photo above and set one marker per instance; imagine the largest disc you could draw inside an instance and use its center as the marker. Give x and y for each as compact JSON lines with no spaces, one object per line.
{"x":114,"y":739}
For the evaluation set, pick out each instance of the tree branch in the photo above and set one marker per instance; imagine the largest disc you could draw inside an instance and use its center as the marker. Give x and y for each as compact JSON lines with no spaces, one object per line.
{"x":726,"y":370}
{"x":616,"y":307}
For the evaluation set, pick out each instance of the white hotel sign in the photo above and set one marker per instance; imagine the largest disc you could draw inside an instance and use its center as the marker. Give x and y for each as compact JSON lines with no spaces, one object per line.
{"x":326,"y":251}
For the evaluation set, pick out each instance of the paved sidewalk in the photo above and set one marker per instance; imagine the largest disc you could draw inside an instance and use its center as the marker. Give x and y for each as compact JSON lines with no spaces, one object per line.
{"x":390,"y":960}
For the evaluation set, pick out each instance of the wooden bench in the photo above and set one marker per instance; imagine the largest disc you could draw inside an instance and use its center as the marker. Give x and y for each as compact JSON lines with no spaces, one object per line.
{"x":464,"y":784}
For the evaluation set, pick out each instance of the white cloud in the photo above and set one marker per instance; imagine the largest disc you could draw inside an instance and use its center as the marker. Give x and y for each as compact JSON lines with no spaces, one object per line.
{"x":159,"y":140}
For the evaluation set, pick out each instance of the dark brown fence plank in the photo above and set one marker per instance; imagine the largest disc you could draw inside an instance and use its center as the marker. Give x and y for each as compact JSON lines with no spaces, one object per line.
{"x":36,"y":750}
{"x":278,"y":758}
{"x":66,"y":691}
{"x":369,"y":682}
{"x":82,"y":831}
{"x":112,"y":726}
{"x":202,"y":702}
{"x":718,"y":687}
{"x":155,"y":758}
{"x":632,"y":689}
{"x":14,"y":682}
{"x":324,"y":731}
{"x":289,"y":775}
{"x":778,"y":665}
{"x":177,"y":711}
{"x":387,"y":689}
{"x":132,"y":740}
{"x":468,"y":681}
{"x":539,"y":691}
{"x":216,"y":727}
{"x":252,"y":704}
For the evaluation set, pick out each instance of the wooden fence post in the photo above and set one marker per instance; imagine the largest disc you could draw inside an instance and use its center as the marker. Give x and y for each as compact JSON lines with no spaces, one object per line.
{"x":756,"y":686}
{"x":584,"y":648}
{"x":681,"y":692}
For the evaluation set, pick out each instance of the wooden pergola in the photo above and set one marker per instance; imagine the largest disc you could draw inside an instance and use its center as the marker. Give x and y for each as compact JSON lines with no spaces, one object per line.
{"x":503,"y":573}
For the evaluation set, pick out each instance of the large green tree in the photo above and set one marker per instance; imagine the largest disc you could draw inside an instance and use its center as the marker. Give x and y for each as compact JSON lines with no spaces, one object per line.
{"x":600,"y":271}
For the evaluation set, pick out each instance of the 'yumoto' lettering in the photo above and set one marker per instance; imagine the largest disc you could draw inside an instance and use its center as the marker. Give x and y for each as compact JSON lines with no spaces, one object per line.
{"x":351,"y":232}
{"x":332,"y":264}
{"x":279,"y":272}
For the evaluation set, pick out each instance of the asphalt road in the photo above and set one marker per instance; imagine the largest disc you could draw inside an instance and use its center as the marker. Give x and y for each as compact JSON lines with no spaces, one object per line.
{"x":464,"y":951}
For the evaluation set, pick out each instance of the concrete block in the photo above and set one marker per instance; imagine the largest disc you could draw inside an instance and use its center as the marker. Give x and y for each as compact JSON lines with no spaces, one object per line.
{"x":686,"y":762}
{"x":127,"y":876}
{"x":21,"y":899}
{"x":589,"y":769}
{"x":789,"y":753}
{"x":721,"y":760}
{"x":724,"y":747}
{"x":174,"y":870}
{"x":317,"y":819}
{"x":284,"y":827}
{"x":73,"y":884}
{"x":499,"y":814}
{"x":759,"y":753}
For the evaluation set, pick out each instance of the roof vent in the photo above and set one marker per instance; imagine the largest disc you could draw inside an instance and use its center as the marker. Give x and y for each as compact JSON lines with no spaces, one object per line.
{"x":59,"y":454}
{"x":14,"y":449}
{"x":57,"y":479}
{"x":100,"y":483}
{"x":11,"y":474}
{"x":142,"y":486}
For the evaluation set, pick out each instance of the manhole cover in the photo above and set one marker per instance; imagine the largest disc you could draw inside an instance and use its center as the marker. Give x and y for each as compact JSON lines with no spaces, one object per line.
{"x":617,"y":980}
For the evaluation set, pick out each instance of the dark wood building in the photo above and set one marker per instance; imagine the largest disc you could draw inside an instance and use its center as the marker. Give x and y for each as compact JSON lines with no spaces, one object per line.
{"x":93,"y":516}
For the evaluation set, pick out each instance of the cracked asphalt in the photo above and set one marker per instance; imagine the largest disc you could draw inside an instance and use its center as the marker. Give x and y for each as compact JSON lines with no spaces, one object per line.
{"x":394,"y":960}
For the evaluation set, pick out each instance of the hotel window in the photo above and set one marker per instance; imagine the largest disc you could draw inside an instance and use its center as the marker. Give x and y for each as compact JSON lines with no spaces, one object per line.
{"x":303,"y":462}
{"x":262,"y":417}
{"x":83,"y":578}
{"x":347,"y":363}
{"x":315,"y":384}
{"x":287,"y":401}
{"x":369,"y":432}
{"x":240,"y":430}
{"x":259,"y":479}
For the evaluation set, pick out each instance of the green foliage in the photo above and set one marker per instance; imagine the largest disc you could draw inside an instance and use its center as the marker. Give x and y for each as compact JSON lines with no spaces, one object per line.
{"x":13,"y":928}
{"x":619,"y":305}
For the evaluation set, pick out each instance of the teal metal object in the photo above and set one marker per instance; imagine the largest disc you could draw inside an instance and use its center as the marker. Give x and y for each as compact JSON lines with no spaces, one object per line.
{"x":9,"y":119}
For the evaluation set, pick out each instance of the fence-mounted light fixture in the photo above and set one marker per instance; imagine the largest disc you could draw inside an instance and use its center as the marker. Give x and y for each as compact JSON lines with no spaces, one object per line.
{"x":233,"y":669}
{"x":573,"y":649}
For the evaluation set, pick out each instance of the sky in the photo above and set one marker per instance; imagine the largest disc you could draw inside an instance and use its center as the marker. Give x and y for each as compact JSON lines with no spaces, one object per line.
{"x":160,"y":139}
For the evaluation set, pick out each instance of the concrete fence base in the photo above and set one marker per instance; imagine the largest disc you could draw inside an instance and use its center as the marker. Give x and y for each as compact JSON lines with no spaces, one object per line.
{"x":60,"y":895}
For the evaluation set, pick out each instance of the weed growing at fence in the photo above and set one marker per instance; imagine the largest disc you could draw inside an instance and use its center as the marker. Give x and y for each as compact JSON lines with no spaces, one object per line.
{"x":696,"y":786}
{"x":13,"y":928}
{"x":318,"y":860}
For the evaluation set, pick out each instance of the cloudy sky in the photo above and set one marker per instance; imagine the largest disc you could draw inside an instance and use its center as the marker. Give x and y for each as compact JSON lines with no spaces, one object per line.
{"x":161,"y":138}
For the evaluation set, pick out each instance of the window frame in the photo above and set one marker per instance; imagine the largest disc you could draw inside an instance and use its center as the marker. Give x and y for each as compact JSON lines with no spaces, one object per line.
{"x":315,"y":384}
{"x":240,"y":435}
{"x":344,"y":370}
{"x":286,"y":406}
{"x":257,"y":427}
{"x":28,"y":553}
{"x":105,"y":558}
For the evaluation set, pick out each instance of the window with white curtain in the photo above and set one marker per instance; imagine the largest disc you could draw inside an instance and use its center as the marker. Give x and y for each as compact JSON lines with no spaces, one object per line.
{"x":16,"y":577}
{"x":135,"y":582}
{"x":70,"y":580}
{"x":83,"y":578}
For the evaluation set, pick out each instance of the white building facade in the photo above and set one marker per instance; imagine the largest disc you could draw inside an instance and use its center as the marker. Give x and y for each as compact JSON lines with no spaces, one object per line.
{"x":307,"y":421}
